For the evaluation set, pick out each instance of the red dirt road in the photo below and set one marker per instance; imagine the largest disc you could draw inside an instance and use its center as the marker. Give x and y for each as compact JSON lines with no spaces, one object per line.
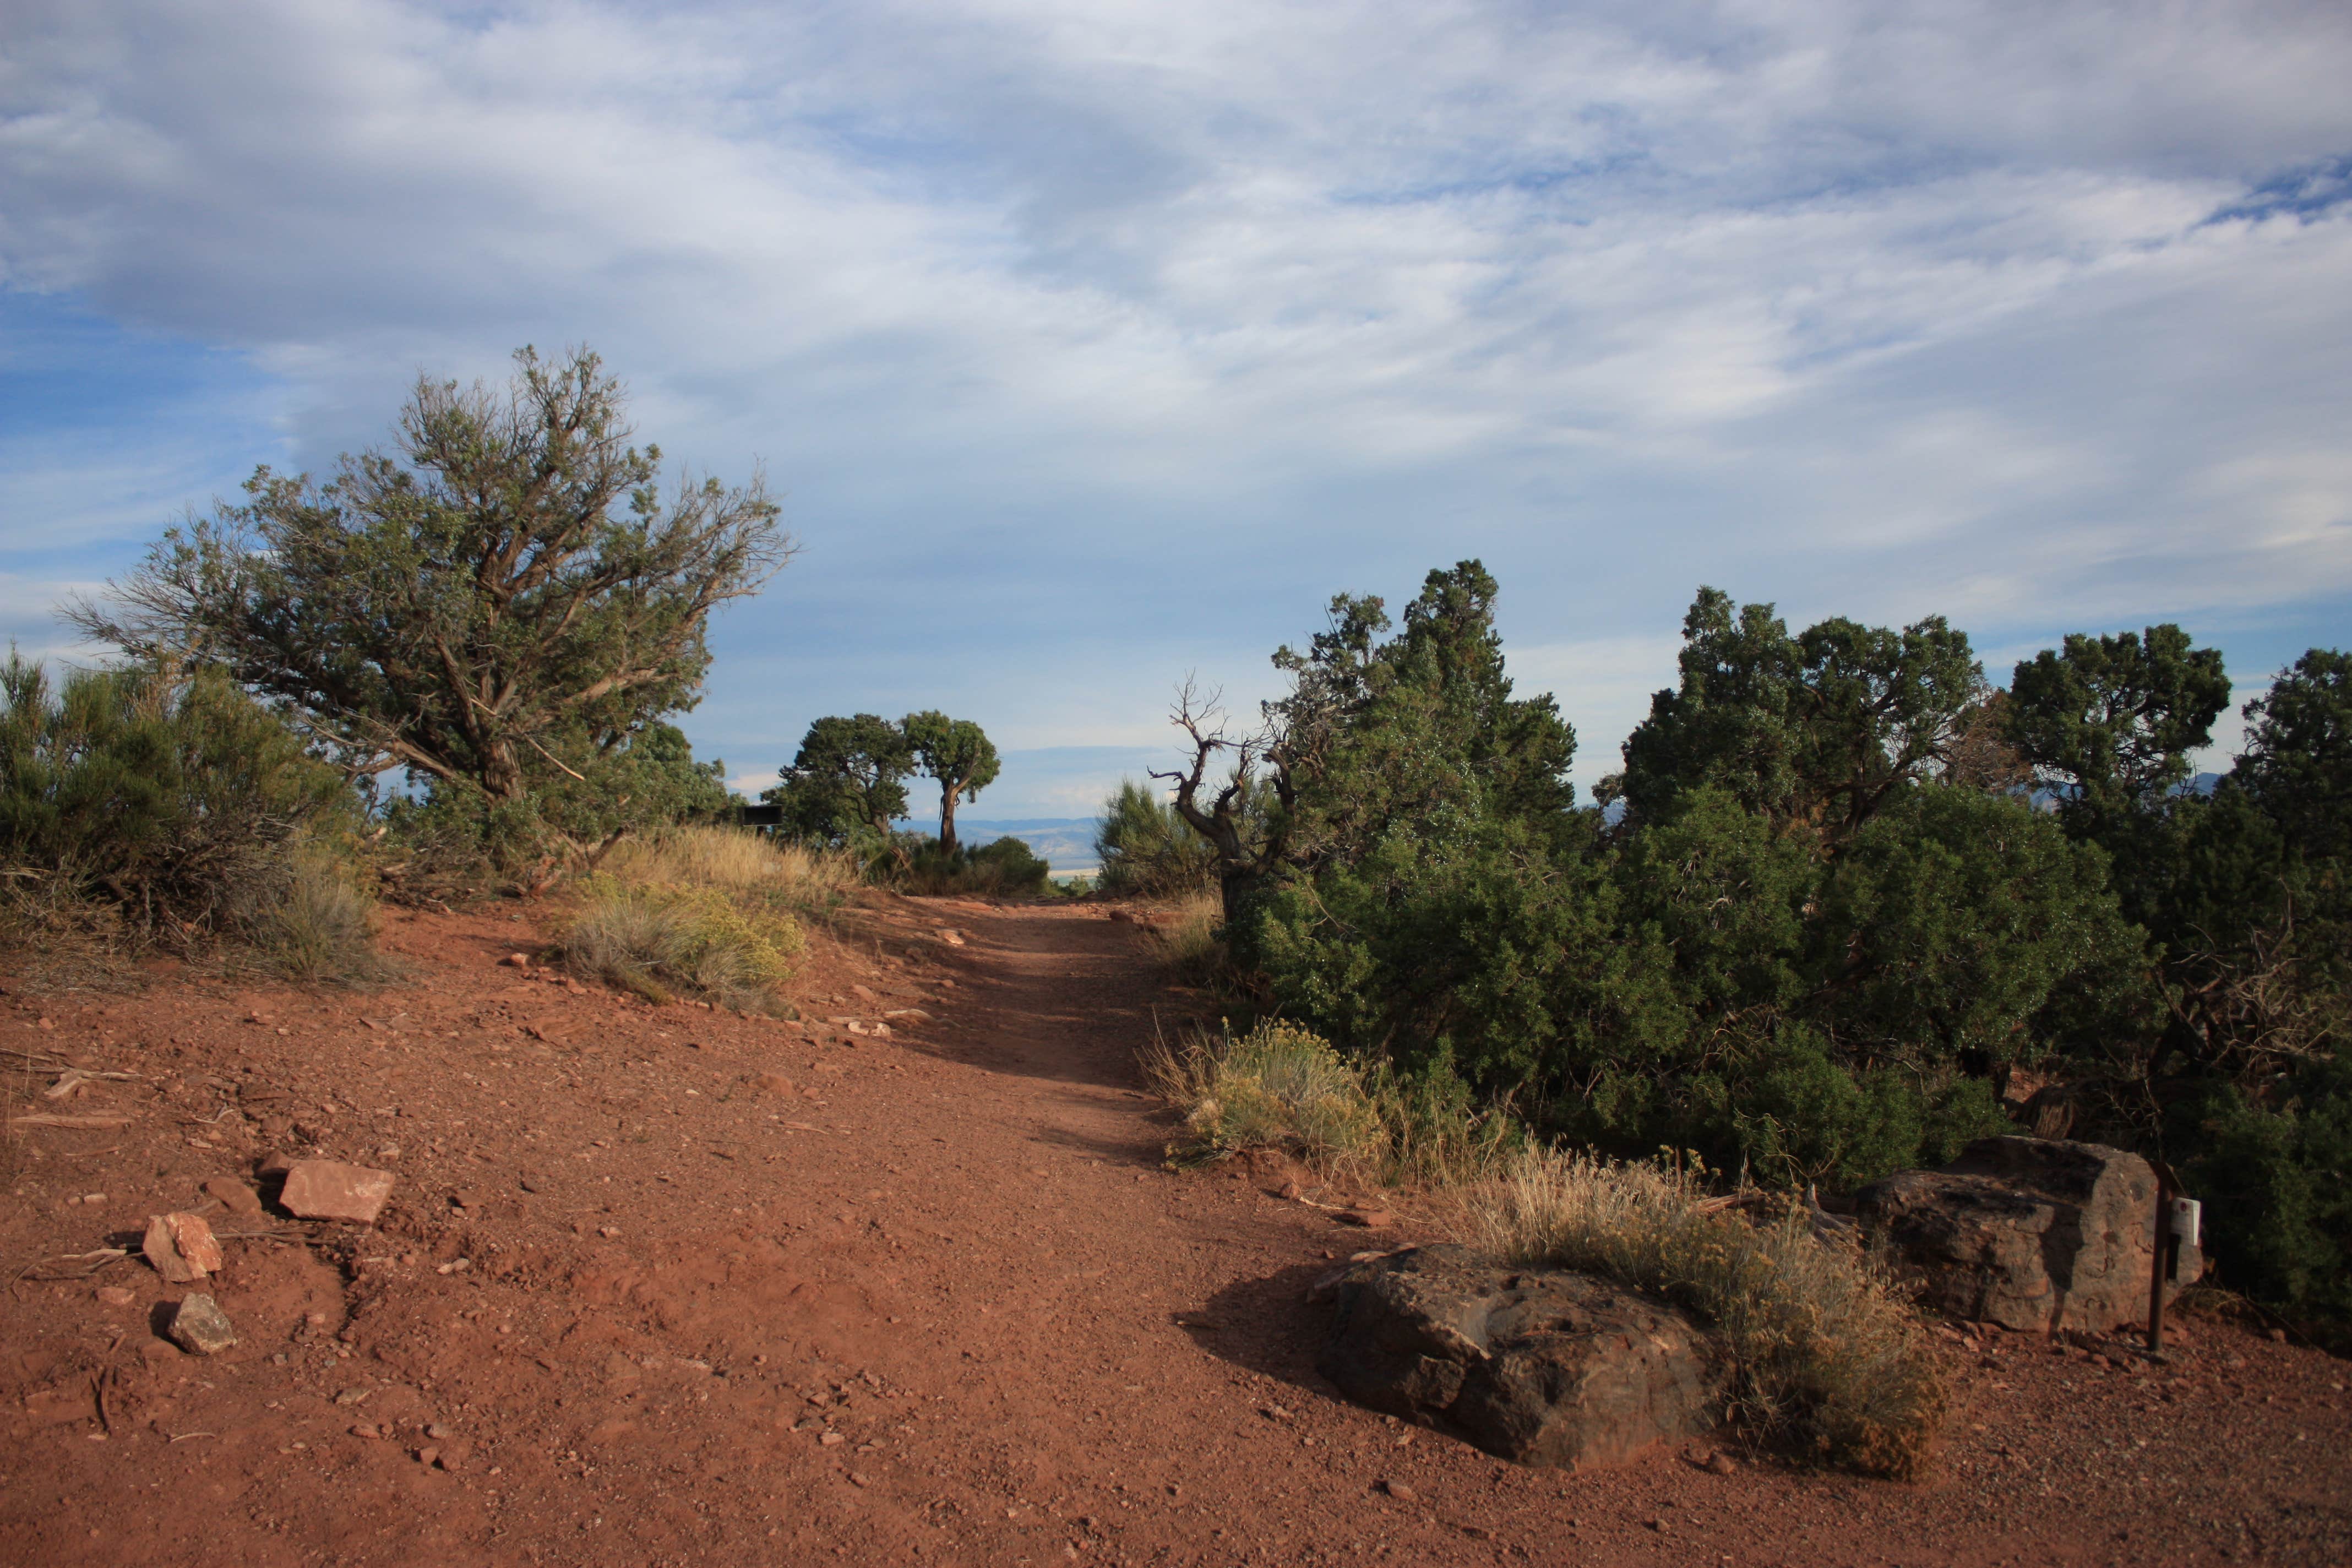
{"x":638,"y":1307}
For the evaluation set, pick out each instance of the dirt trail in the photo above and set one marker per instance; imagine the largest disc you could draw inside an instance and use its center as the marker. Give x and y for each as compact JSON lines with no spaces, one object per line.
{"x":939,"y":1302}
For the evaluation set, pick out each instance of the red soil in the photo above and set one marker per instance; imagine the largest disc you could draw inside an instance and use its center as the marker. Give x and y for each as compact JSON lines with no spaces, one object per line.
{"x":641,"y":1308}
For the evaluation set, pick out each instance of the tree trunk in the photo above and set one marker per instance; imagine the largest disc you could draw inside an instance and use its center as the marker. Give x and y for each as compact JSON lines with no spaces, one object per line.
{"x":947,"y":817}
{"x":501,"y":778}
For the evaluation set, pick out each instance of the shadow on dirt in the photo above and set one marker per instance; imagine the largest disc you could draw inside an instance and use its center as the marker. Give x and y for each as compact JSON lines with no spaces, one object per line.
{"x":1267,"y":1326}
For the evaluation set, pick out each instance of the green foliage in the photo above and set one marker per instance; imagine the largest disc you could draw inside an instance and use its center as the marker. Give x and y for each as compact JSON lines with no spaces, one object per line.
{"x":173,"y":797}
{"x":1807,"y":954}
{"x":644,"y":781}
{"x":847,"y":782}
{"x":1148,"y":850}
{"x":1379,"y":734}
{"x":1814,"y":732}
{"x":506,"y":589}
{"x":2297,"y":766}
{"x":1003,"y":867}
{"x":2110,"y":722}
{"x":1949,"y":924}
{"x":2274,"y":1169}
{"x":956,"y":754}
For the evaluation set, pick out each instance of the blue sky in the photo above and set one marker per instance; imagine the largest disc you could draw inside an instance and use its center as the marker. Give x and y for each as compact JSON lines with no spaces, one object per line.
{"x":1091,"y":345}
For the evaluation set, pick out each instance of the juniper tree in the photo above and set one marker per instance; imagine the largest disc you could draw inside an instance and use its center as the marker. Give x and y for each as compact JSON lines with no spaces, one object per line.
{"x":847,"y":782}
{"x":956,"y":754}
{"x":507,"y":591}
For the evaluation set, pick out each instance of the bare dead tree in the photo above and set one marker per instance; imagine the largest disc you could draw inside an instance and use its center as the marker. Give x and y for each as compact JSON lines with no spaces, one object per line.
{"x":1219,"y":804}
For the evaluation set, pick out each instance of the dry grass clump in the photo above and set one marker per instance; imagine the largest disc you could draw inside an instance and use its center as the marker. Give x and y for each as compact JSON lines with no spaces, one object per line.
{"x":1277,"y":1087}
{"x":655,"y":940}
{"x":709,"y":911}
{"x":1282,"y":1087}
{"x":773,"y":871}
{"x":1188,"y":945}
{"x":1825,"y":1349}
{"x":312,"y":922}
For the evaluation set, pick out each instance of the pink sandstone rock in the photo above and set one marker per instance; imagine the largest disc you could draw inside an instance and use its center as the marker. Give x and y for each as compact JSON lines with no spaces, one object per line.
{"x":181,"y":1247}
{"x":328,"y":1189}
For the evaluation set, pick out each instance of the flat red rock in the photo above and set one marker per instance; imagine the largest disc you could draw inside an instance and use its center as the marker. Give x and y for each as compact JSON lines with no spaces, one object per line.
{"x":181,"y":1247}
{"x":328,"y":1189}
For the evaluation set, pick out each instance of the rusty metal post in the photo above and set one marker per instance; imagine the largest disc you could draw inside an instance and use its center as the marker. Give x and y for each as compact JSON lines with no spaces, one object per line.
{"x":2157,"y":1257}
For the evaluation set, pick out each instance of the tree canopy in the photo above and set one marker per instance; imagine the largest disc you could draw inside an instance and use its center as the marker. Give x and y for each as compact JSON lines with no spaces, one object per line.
{"x":503,"y":596}
{"x":957,"y":755}
{"x":847,"y":782}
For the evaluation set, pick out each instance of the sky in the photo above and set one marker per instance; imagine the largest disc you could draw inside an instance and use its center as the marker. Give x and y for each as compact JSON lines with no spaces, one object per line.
{"x":1093,"y":346}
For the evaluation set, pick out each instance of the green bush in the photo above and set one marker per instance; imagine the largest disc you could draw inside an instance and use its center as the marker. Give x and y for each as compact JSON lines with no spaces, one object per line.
{"x":169,"y":797}
{"x":1149,"y":851}
{"x":2274,"y":1172}
{"x":457,"y":840}
{"x":1005,"y":867}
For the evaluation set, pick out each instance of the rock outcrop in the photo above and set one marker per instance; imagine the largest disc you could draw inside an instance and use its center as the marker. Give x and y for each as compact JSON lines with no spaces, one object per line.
{"x":1545,"y":1367}
{"x":2029,"y":1233}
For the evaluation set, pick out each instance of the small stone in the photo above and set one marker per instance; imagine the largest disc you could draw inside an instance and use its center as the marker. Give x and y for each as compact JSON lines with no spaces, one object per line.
{"x":276,"y":1165}
{"x":1371,"y":1219}
{"x":115,"y":1296}
{"x":235,"y":1196}
{"x":831,"y":1440}
{"x":351,"y":1397}
{"x":863,"y":994}
{"x":364,"y":1430}
{"x":1398,"y":1489}
{"x":427,"y":1454}
{"x":328,"y":1189}
{"x":1721,"y":1464}
{"x":775,"y":1083}
{"x":517,"y":961}
{"x":201,"y":1328}
{"x":181,"y":1247}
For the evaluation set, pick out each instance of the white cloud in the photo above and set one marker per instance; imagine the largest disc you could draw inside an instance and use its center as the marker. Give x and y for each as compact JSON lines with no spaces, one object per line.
{"x":1095,"y":343}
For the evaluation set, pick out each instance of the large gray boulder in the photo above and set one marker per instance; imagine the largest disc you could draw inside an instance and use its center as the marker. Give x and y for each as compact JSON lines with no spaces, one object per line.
{"x":1545,"y":1367}
{"x":2033,"y":1234}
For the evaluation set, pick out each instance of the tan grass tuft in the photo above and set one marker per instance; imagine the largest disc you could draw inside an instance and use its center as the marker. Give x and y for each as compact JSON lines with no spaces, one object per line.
{"x":1826,"y":1350}
{"x":709,"y":911}
{"x":319,"y":925}
{"x":1190,"y":945}
{"x":1282,"y":1087}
